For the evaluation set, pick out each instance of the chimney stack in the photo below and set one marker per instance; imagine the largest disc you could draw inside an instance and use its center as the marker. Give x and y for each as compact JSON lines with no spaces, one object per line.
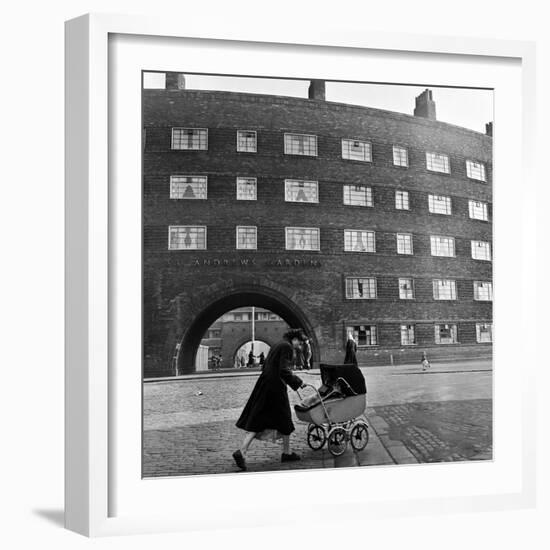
{"x":489,"y":129}
{"x":425,"y":105}
{"x":316,"y":89}
{"x":175,"y":81}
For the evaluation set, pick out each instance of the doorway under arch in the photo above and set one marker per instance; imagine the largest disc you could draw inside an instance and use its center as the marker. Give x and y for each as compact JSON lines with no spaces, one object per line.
{"x":234,"y":298}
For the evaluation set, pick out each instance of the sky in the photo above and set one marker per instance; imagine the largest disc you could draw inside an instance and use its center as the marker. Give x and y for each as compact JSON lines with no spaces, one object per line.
{"x":469,"y":108}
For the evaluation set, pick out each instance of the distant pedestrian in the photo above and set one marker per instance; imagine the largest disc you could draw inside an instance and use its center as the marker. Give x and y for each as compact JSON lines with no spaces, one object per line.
{"x":307,"y":354}
{"x":267,"y":414}
{"x":261,"y":358}
{"x":242,"y":361}
{"x":351,"y":350}
{"x":250,"y":359}
{"x":424,"y":361}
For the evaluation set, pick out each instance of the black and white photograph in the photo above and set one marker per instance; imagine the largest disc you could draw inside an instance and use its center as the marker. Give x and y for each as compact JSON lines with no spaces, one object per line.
{"x":316,"y":274}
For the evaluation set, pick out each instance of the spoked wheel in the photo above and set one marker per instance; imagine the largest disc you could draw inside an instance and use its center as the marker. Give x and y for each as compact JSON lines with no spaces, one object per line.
{"x":359,"y":436}
{"x":316,"y":436}
{"x":337,"y":441}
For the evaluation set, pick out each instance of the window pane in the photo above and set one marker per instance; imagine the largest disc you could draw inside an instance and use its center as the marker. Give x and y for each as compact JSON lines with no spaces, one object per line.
{"x":400,"y":156}
{"x":301,"y":191}
{"x":246,"y":237}
{"x":442,"y":246}
{"x":483,"y":290}
{"x":302,"y":238}
{"x":186,"y":237}
{"x":481,"y":250}
{"x":444,"y":289}
{"x":298,"y":144}
{"x":356,"y":150}
{"x":475,"y":170}
{"x":406,"y":291}
{"x":188,"y":187}
{"x":484,"y":332}
{"x":445,"y":334}
{"x":246,"y":141}
{"x":190,"y":138}
{"x":407,"y":335}
{"x":364,"y":335}
{"x":404,"y":243}
{"x":439,"y":204}
{"x":359,"y":241}
{"x":402,"y":200}
{"x":246,"y":189}
{"x":437,"y":163}
{"x":357,"y":195}
{"x":361,"y":288}
{"x":478,"y":210}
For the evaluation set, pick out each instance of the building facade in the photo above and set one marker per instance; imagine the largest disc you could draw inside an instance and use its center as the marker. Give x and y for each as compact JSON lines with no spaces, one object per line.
{"x":338,"y":218}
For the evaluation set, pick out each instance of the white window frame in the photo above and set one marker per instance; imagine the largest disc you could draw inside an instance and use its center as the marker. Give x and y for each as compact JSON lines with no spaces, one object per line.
{"x":404,"y":329}
{"x":473,"y":208}
{"x":406,"y":239}
{"x":246,"y":150}
{"x":289,"y":182}
{"x":432,"y":160}
{"x":255,"y":247}
{"x":205,"y":148}
{"x":474,"y":167}
{"x":371,"y":284}
{"x":475,"y":245}
{"x":287,"y":144}
{"x":317,"y":229}
{"x":351,"y":328}
{"x":437,"y":244}
{"x":347,"y":190}
{"x":240,"y":180}
{"x":368,"y":233}
{"x":477,"y":286}
{"x":454,"y":331}
{"x":440,"y":204}
{"x":450,"y":284}
{"x":402,"y":200}
{"x":399,"y":156}
{"x":172,"y":183}
{"x":366,"y":149}
{"x":411,"y":290}
{"x":478,"y":333}
{"x":170,"y":227}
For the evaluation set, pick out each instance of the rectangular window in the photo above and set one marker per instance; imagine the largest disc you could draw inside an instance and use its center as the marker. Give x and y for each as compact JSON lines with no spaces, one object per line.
{"x":246,"y":141}
{"x":356,"y":150}
{"x":300,"y":144}
{"x":190,"y":138}
{"x":442,"y":246}
{"x":484,"y":332}
{"x":407,"y":335}
{"x":361,"y":288}
{"x":187,"y":237}
{"x":188,"y":187}
{"x":400,"y":156}
{"x":359,"y":241}
{"x":481,"y":250}
{"x":357,"y":195}
{"x":404,"y":243}
{"x":402,"y":200}
{"x":437,"y":163}
{"x":406,"y":289}
{"x":444,"y":289}
{"x":364,"y":335}
{"x":478,"y":210}
{"x":439,"y":204}
{"x":302,"y":238}
{"x":475,"y":170}
{"x":246,"y":237}
{"x":246,"y":189}
{"x":445,"y":334}
{"x":483,"y":291}
{"x":301,"y":191}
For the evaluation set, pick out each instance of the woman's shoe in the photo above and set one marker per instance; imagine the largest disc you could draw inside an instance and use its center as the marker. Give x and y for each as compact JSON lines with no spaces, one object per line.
{"x":292,"y":457}
{"x":239,"y":460}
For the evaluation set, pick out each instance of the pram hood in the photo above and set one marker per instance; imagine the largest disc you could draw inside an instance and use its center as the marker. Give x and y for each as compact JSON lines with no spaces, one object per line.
{"x":349,"y":372}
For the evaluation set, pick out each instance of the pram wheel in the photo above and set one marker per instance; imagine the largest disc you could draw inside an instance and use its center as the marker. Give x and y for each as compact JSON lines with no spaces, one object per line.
{"x":316,"y":436}
{"x":337,"y":441}
{"x":359,"y":436}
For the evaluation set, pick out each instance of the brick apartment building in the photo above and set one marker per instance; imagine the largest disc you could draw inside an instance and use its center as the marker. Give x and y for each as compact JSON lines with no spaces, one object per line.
{"x":338,"y":218}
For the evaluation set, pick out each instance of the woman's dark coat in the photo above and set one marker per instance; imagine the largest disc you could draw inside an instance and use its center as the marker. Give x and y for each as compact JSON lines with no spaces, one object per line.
{"x":268,"y":406}
{"x":351,"y":352}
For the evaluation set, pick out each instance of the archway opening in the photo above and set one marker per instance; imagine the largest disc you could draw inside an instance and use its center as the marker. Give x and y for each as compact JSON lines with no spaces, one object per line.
{"x":264,"y":299}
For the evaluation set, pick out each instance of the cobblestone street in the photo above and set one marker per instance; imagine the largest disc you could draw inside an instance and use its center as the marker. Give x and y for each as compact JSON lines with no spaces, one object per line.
{"x":441,"y":415}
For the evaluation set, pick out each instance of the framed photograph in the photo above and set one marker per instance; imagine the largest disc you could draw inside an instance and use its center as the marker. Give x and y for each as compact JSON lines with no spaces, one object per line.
{"x":290,"y":261}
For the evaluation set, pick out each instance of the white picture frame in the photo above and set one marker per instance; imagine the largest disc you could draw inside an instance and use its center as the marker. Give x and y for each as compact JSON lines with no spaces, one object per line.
{"x":94,"y":440}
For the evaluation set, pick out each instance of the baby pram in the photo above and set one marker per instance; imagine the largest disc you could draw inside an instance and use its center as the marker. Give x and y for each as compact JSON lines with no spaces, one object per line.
{"x":335,"y":412}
